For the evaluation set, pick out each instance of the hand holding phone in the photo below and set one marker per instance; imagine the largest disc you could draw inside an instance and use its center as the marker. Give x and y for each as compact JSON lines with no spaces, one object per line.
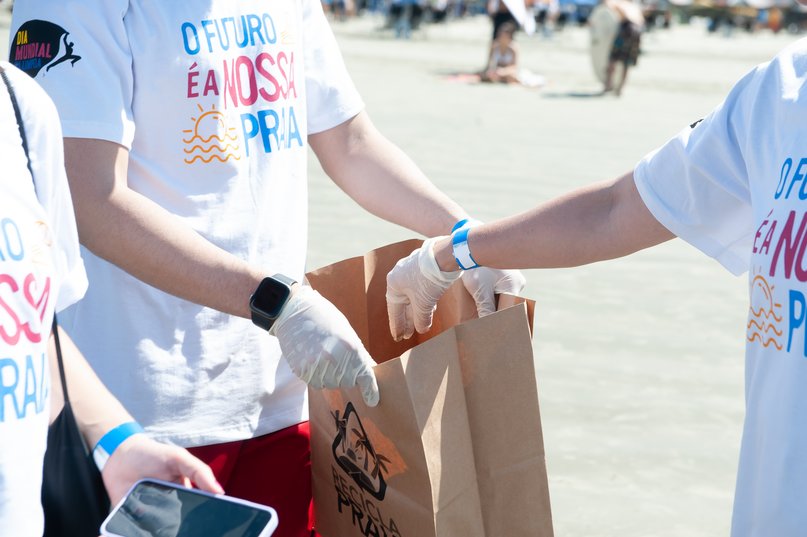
{"x":154,"y":508}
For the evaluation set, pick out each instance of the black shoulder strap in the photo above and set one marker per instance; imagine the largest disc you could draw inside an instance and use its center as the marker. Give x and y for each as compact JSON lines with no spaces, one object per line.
{"x":18,"y":115}
{"x":59,"y":358}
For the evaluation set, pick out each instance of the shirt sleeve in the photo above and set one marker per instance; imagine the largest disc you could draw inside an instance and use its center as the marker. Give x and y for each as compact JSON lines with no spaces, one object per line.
{"x":331,"y":96}
{"x":697,"y":184}
{"x":79,"y":52}
{"x":45,"y":148}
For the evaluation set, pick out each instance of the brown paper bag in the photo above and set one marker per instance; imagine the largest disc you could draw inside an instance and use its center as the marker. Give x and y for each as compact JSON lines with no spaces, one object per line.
{"x":455,"y":446}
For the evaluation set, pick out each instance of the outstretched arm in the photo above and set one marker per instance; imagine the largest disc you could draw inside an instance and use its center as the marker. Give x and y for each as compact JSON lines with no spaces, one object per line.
{"x":598,"y":222}
{"x":387,"y":183}
{"x":594,"y":223}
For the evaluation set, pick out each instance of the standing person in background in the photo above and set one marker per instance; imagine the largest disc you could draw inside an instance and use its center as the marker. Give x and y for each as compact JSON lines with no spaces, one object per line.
{"x":626,"y":47}
{"x":732,"y":185}
{"x":187,"y":127}
{"x":405,"y":16}
{"x":41,"y":272}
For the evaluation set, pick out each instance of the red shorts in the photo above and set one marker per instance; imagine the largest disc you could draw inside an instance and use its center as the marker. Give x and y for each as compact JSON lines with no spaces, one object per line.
{"x":274,"y":469}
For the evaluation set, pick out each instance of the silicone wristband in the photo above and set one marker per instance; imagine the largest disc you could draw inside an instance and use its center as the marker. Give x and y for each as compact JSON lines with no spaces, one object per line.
{"x":111,"y":440}
{"x":462,"y":252}
{"x":465,"y":223}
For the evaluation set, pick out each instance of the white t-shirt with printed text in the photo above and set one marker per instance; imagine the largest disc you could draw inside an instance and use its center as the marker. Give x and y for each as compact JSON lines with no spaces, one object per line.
{"x":735,"y":186}
{"x":40,"y":271}
{"x":215,"y":100}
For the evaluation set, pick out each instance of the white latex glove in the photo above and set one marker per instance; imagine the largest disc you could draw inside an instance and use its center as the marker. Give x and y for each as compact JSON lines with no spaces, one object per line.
{"x":414,"y":286}
{"x":483,"y":283}
{"x":321,"y":347}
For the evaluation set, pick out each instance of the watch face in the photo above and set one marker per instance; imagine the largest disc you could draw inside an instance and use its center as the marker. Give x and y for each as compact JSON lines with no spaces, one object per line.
{"x":270,"y":297}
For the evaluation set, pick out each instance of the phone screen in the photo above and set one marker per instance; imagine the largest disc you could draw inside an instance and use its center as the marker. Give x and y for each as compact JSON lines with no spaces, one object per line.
{"x":157,"y":510}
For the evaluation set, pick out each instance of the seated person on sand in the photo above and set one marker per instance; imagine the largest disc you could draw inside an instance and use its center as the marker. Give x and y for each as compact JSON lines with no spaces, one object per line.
{"x":503,"y":59}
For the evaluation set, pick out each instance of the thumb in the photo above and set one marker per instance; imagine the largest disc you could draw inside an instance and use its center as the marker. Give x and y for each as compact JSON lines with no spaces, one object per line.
{"x":366,"y":379}
{"x":485,"y":301}
{"x":369,"y":387}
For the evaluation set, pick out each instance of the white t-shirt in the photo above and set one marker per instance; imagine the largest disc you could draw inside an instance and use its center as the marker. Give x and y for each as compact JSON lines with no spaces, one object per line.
{"x":735,"y":186}
{"x":215,"y":100}
{"x":40,"y":269}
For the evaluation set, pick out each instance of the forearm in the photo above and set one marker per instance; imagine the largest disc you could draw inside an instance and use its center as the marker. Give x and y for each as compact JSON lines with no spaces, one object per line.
{"x":383,"y":179}
{"x":96,"y":410}
{"x":132,"y":232}
{"x":595,"y":223}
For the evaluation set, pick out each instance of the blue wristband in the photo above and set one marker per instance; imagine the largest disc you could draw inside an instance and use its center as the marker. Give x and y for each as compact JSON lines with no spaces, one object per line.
{"x":462,"y":253}
{"x":465,"y":223}
{"x":111,"y":440}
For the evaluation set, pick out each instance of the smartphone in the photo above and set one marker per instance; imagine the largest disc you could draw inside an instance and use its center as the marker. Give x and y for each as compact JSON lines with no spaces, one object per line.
{"x":154,"y":508}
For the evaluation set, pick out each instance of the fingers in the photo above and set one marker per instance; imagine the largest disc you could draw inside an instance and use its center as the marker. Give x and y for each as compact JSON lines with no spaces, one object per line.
{"x":480,"y":286}
{"x":355,"y":368}
{"x":484,"y":283}
{"x":198,"y":472}
{"x":423,"y":318}
{"x":414,"y":286}
{"x":512,"y":283}
{"x":399,"y":311}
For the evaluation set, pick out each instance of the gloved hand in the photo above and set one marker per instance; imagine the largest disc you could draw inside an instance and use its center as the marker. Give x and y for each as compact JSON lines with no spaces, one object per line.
{"x":485,"y":282}
{"x":321,"y":347}
{"x":414,"y":286}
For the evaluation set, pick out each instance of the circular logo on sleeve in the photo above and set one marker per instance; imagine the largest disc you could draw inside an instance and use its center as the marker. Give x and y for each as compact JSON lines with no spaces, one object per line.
{"x":41,"y":44}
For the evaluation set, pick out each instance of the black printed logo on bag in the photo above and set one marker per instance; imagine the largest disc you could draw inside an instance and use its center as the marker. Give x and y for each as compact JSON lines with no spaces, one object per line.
{"x":39,"y":44}
{"x":361,"y":498}
{"x":355,"y":454}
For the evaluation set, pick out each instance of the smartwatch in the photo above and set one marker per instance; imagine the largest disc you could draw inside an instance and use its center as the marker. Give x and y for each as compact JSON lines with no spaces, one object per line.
{"x":269,"y":298}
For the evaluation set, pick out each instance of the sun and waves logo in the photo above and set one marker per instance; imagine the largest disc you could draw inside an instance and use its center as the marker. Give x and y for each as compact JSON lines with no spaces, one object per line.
{"x":764,"y":315}
{"x":211,"y":138}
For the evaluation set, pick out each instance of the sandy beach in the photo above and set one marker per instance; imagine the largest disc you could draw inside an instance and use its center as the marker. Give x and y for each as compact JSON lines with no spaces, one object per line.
{"x":640,"y":360}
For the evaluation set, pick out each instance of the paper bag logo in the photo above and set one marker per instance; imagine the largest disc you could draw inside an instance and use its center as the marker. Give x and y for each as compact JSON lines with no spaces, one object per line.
{"x":355,"y":454}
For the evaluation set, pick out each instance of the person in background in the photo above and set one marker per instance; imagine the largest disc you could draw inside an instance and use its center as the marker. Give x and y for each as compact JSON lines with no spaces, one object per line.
{"x":187,"y":127}
{"x":503,"y":59}
{"x":626,"y":47}
{"x":41,"y":272}
{"x":732,"y":185}
{"x":499,"y":14}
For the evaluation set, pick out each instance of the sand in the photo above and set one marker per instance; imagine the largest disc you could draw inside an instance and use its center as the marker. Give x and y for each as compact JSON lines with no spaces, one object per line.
{"x":640,"y":360}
